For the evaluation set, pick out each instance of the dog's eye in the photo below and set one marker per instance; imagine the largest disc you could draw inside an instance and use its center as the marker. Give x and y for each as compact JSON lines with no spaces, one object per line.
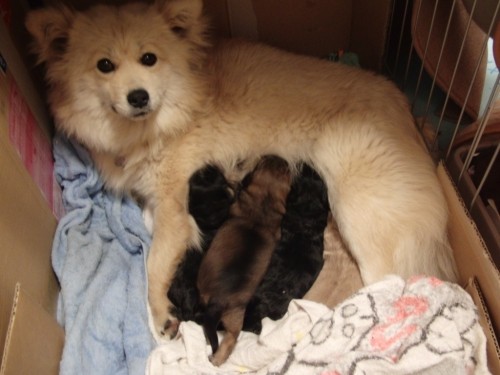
{"x":180,"y":31}
{"x":105,"y":65}
{"x":148,"y":59}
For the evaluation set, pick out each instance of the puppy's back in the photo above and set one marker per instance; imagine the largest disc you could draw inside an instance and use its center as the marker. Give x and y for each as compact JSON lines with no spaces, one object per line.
{"x":234,"y":262}
{"x":241,"y":251}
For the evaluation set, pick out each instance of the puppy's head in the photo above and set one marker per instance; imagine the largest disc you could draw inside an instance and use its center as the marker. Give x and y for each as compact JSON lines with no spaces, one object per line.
{"x":270,"y":182}
{"x":209,"y":199}
{"x":122,"y":64}
{"x":274,"y":172}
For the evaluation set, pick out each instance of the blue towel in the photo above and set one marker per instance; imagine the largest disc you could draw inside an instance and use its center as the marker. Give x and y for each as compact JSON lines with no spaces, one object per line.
{"x":99,"y":254}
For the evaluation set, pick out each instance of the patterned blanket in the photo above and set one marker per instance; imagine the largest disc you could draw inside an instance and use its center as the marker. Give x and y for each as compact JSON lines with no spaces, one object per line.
{"x":419,"y":326}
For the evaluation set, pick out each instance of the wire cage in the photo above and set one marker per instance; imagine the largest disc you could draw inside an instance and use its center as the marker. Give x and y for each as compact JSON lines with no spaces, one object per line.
{"x":445,"y":55}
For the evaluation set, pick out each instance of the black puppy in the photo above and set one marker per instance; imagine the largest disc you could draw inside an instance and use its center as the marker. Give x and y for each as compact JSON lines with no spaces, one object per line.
{"x":295,"y":264}
{"x":209,"y":201}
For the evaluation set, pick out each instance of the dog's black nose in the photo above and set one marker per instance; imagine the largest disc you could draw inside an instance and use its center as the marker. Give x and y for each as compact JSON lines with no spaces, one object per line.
{"x":138,"y":98}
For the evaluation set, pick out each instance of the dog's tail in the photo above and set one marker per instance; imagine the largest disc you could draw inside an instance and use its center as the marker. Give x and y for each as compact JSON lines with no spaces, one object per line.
{"x":211,"y":320}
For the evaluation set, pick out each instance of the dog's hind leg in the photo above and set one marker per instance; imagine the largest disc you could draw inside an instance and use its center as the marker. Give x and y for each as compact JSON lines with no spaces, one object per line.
{"x":390,"y":232}
{"x":211,"y":319}
{"x":389,"y":207}
{"x":233,"y":323}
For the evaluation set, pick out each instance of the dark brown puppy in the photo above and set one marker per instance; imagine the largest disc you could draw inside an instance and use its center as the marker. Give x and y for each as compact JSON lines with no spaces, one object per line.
{"x":240,"y":252}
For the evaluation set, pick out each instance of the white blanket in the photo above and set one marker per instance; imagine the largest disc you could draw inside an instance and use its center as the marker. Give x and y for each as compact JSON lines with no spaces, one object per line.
{"x":422,"y":326}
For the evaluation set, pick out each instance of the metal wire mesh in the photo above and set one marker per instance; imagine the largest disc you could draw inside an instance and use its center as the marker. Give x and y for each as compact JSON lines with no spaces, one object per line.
{"x":457,"y":138}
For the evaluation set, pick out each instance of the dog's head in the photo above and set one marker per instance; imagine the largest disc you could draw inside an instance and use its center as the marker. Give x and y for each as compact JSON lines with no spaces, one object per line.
{"x":121,"y":65}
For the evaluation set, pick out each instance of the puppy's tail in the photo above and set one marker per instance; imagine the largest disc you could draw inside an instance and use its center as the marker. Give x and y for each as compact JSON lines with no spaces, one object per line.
{"x":211,"y":320}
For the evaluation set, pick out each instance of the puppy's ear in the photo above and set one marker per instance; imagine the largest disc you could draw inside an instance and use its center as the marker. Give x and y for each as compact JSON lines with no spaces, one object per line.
{"x":181,"y":15}
{"x":49,"y":28}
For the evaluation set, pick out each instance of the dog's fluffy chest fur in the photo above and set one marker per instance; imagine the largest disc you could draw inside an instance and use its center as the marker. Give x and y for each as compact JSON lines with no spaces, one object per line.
{"x":133,"y":171}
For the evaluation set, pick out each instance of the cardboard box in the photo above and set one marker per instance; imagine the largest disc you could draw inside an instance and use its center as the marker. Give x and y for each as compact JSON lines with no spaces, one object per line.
{"x":484,"y":216}
{"x":29,"y":201}
{"x":477,"y":271}
{"x":30,"y":338}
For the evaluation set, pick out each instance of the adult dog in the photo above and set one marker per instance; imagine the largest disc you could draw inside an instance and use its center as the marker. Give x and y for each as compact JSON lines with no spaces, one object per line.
{"x":141,"y":86}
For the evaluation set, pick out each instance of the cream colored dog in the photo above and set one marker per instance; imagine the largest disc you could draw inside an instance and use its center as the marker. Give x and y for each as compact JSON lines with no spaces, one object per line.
{"x":153,"y":101}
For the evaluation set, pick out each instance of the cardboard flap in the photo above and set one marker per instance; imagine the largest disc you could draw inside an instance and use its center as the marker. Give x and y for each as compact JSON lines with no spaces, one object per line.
{"x":473,"y":259}
{"x":492,"y":349}
{"x":34,"y":340}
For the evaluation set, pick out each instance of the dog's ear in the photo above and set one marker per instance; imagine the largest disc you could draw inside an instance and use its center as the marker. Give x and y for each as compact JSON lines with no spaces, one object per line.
{"x":49,"y":28}
{"x":181,"y":15}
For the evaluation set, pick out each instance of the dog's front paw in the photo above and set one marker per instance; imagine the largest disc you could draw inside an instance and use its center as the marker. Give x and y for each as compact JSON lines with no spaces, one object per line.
{"x":170,"y":327}
{"x":163,"y":324}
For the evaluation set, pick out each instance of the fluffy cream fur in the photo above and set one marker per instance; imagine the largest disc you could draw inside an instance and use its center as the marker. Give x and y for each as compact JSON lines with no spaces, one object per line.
{"x":235,"y":101}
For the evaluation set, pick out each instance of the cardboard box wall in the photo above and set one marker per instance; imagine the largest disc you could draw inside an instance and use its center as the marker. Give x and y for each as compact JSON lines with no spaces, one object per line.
{"x":311,"y":27}
{"x":28,"y":287}
{"x":30,"y":339}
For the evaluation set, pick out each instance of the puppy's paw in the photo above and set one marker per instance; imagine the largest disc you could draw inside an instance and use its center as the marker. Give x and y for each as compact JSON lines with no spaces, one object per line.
{"x":215,"y":361}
